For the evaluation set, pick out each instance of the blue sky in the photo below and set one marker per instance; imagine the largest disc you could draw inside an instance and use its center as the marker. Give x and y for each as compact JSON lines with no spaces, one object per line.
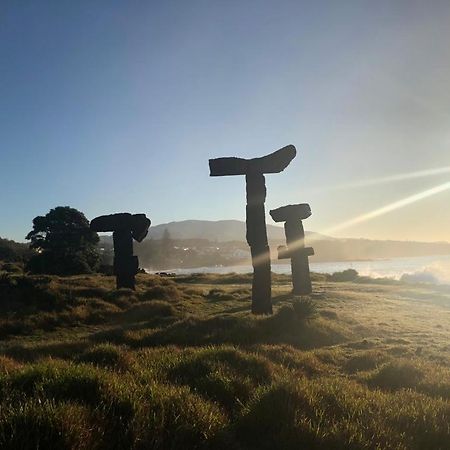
{"x":111,"y":106}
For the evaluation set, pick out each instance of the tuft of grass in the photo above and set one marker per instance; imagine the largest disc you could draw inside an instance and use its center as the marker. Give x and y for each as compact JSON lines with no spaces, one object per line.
{"x":149,"y":310}
{"x":397,"y":375}
{"x":162,"y":292}
{"x":44,"y":424}
{"x":108,"y":356}
{"x":8,"y":365}
{"x":333,"y":413}
{"x":224,"y":374}
{"x":304,"y":308}
{"x":175,"y":417}
{"x":58,"y":380}
{"x":365,"y":361}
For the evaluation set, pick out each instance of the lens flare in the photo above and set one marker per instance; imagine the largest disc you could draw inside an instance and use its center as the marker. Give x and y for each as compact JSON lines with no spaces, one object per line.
{"x":385,"y":180}
{"x":390,"y":207}
{"x":370,"y":215}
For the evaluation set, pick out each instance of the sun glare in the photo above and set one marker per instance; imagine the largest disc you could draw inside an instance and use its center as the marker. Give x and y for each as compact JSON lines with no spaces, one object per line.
{"x":384,"y":180}
{"x":376,"y":212}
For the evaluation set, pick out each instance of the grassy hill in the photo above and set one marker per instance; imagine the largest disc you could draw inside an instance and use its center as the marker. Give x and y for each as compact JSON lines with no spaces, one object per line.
{"x":181,"y":363}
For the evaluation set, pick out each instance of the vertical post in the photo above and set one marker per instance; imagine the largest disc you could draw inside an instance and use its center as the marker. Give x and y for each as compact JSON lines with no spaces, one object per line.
{"x":125,"y":228}
{"x":292,"y":216}
{"x":125,"y":264}
{"x":257,"y":240}
{"x":295,"y":238}
{"x":254,"y":170}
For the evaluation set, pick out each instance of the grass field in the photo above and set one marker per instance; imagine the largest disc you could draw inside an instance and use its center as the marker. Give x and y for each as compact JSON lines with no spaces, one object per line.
{"x":181,"y":363}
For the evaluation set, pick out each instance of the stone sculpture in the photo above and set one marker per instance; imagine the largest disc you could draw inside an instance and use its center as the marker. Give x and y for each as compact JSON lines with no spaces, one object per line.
{"x":254,"y":171}
{"x":125,"y":228}
{"x":292,"y":216}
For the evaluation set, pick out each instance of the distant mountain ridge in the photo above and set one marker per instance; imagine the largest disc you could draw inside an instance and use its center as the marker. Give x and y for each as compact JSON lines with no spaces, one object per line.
{"x":201,"y":235}
{"x":215,"y":231}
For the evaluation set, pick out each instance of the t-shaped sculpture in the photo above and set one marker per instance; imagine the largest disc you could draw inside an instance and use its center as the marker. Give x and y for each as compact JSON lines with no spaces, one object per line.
{"x":254,"y":170}
{"x":292,"y":216}
{"x":125,"y":228}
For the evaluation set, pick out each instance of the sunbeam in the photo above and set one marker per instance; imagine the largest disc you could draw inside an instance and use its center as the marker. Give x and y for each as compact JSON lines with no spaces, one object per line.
{"x":375,"y":213}
{"x":390,"y":207}
{"x":384,"y":180}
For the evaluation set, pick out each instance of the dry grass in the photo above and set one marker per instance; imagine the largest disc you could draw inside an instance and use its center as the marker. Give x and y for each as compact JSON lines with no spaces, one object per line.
{"x":181,"y":363}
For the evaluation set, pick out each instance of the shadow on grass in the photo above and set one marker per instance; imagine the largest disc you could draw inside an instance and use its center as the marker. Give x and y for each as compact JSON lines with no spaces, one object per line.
{"x":287,"y":326}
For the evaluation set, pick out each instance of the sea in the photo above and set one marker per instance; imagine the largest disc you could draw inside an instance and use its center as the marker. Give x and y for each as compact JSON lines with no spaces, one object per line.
{"x":430,"y":269}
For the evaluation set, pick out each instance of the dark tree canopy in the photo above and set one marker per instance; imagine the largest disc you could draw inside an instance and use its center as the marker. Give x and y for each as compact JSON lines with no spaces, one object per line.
{"x":64,"y":243}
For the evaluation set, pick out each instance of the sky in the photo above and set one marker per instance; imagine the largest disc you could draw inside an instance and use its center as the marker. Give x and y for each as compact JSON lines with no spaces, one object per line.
{"x":116,"y":106}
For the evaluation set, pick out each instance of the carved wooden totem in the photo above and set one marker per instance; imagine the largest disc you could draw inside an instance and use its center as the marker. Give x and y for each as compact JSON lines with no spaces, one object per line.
{"x":292,"y":216}
{"x":254,"y":170}
{"x":125,"y":228}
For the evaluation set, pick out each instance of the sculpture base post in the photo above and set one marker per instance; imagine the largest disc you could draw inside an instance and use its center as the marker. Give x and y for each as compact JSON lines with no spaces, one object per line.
{"x":301,"y":278}
{"x":125,"y":263}
{"x":262,"y":282}
{"x":295,"y":238}
{"x":259,"y":248}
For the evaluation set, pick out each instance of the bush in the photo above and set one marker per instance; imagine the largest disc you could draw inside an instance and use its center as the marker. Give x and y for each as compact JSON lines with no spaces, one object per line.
{"x":345,"y":275}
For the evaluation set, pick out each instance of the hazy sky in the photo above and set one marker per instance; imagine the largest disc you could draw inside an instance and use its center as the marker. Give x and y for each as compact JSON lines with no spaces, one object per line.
{"x":112,"y":106}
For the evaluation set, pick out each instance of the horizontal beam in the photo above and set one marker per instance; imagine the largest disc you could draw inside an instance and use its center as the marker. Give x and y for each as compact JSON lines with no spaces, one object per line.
{"x":137,"y":224}
{"x":274,"y":163}
{"x":299,"y":211}
{"x":287,"y":253}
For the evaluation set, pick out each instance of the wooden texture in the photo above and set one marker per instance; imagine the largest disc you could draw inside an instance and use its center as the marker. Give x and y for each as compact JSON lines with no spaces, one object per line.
{"x":125,"y":228}
{"x":254,"y":170}
{"x":292,"y":216}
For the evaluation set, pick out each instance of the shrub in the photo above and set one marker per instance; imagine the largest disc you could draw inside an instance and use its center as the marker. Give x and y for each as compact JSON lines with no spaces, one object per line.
{"x":345,"y":275}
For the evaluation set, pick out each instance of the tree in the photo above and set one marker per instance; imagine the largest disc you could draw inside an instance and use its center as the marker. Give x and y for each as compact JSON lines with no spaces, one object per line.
{"x":64,"y":243}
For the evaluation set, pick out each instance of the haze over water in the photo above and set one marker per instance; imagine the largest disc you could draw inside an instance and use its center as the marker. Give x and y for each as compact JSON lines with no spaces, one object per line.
{"x":421,"y":269}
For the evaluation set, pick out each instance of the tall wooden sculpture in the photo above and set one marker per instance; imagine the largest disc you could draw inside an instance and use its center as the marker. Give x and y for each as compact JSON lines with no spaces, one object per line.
{"x":125,"y":228}
{"x":292,"y":216}
{"x":254,"y":171}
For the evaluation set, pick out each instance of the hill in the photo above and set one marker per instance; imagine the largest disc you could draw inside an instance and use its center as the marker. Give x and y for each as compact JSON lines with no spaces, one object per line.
{"x":208,"y":243}
{"x":215,"y":231}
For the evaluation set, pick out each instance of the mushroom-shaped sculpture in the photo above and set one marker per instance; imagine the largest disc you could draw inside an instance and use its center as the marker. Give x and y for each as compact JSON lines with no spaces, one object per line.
{"x":292,"y":216}
{"x":125,"y":228}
